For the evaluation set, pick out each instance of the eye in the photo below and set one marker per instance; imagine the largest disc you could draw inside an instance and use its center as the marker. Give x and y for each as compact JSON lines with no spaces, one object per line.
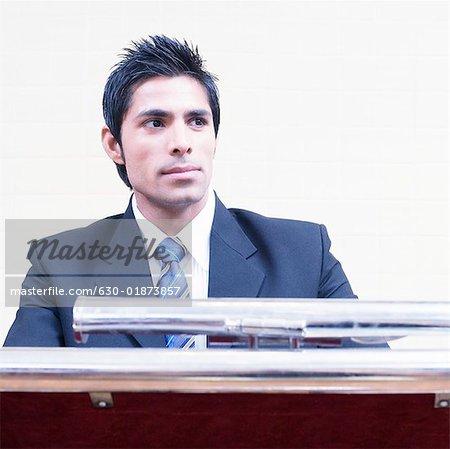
{"x":198,"y":121}
{"x":154,"y":123}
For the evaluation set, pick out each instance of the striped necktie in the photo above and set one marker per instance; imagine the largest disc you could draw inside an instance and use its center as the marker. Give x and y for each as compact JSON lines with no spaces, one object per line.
{"x":172,"y":283}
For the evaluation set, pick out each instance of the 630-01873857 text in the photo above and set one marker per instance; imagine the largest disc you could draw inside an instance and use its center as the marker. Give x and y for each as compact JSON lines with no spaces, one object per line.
{"x":97,"y":291}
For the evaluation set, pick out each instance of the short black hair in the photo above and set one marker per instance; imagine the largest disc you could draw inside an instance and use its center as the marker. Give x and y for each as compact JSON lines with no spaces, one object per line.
{"x":148,"y":58}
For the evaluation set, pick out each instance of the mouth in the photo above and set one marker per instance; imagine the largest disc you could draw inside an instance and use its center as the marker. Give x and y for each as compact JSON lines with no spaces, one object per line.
{"x":181,"y":169}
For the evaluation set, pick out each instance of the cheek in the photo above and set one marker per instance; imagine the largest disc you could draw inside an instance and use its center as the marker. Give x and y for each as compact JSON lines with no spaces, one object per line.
{"x":142,"y":149}
{"x":208,"y":144}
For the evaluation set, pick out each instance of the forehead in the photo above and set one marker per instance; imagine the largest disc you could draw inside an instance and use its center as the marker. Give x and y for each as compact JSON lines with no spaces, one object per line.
{"x":171,"y":93}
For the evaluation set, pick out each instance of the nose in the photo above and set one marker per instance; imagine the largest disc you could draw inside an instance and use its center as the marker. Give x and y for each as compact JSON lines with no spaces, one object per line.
{"x":180,"y":143}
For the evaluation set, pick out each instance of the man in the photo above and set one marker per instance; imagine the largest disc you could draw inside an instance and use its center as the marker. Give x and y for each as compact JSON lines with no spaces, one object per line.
{"x":162,"y":117}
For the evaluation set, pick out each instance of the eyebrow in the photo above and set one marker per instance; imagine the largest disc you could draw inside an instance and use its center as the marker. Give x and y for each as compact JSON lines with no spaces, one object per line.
{"x":161,"y":113}
{"x":153,"y":113}
{"x":198,"y":113}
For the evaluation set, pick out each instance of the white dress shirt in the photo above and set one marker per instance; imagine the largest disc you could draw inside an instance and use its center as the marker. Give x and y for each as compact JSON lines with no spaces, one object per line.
{"x":195,"y":264}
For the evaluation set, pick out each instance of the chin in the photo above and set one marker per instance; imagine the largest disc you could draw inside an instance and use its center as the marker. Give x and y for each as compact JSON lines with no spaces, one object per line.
{"x":181,"y":198}
{"x":182,"y":201}
{"x":187,"y":196}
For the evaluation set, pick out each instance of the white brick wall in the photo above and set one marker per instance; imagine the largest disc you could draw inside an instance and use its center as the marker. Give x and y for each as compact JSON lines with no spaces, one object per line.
{"x":334,"y":112}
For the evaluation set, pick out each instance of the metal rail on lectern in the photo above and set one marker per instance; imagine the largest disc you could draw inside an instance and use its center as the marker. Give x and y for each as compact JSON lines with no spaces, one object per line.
{"x":295,"y":320}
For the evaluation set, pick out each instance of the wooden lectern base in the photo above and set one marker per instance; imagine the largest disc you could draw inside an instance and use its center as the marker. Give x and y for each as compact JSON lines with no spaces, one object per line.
{"x":243,"y":420}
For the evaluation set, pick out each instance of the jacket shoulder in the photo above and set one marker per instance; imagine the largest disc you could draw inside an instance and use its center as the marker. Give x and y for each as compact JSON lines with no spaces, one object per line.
{"x":251,"y":219}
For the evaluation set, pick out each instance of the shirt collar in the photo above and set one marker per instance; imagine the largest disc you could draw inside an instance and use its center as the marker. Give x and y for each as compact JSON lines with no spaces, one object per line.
{"x":195,"y":235}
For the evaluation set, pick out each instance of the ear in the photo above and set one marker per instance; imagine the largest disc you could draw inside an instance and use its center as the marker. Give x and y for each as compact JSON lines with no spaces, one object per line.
{"x":111,"y":146}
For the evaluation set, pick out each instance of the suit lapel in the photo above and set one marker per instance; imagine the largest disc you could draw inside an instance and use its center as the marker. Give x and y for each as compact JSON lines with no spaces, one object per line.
{"x":230,"y":272}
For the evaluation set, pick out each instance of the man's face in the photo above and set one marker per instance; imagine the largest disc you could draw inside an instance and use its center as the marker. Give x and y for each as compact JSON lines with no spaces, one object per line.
{"x":168,"y":143}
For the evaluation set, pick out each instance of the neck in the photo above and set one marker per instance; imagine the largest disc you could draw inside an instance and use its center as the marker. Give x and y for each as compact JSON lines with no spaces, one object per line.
{"x":171,"y":220}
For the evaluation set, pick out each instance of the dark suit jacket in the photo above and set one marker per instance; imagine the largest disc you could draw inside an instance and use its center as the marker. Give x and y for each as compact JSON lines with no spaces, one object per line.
{"x":250,"y":256}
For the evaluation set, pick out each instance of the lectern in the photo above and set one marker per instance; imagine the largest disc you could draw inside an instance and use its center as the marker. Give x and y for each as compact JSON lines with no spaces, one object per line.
{"x":294,"y":393}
